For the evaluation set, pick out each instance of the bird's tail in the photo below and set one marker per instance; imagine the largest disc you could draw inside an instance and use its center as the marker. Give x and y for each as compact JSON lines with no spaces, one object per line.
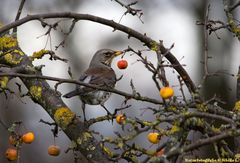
{"x":71,"y":94}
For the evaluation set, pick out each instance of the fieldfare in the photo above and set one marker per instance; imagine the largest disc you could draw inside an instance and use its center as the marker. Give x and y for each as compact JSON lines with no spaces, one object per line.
{"x":99,"y":73}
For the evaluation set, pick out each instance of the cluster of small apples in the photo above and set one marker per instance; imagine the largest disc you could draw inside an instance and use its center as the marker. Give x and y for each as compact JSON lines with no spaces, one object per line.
{"x":152,"y":137}
{"x":165,"y":92}
{"x":121,"y":118}
{"x":15,"y":140}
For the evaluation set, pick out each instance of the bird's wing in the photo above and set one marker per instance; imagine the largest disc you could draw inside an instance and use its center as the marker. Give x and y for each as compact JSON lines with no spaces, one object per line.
{"x":102,"y":77}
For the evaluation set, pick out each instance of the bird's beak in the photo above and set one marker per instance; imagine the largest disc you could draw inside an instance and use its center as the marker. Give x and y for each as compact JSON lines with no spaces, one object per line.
{"x":117,"y":53}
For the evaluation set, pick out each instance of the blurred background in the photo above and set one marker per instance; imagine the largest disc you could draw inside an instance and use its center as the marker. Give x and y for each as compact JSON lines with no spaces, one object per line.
{"x":171,"y":21}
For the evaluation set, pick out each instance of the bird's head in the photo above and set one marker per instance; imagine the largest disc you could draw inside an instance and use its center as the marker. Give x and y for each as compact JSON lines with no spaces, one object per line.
{"x":104,"y":56}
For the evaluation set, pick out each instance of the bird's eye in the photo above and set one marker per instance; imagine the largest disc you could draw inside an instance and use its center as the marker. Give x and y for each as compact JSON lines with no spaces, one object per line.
{"x":108,"y":54}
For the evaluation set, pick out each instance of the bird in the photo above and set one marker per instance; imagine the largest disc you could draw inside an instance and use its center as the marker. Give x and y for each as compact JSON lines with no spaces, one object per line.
{"x":99,"y":73}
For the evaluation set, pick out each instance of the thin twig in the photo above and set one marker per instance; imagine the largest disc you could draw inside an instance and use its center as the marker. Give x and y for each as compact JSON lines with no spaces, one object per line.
{"x":206,"y":44}
{"x":202,"y":142}
{"x":131,"y":10}
{"x":181,"y":89}
{"x":231,"y":8}
{"x":67,"y":34}
{"x":18,"y":15}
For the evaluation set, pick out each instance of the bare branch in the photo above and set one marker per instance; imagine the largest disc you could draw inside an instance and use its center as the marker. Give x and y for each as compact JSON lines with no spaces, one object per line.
{"x":151,"y":44}
{"x":202,"y":142}
{"x":60,"y":80}
{"x":18,"y":14}
{"x":231,"y":8}
{"x":131,"y":10}
{"x":206,"y":43}
{"x":66,"y":34}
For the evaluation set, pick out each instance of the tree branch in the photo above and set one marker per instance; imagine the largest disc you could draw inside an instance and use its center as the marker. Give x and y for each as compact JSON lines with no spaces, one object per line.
{"x":41,"y":93}
{"x":231,"y":8}
{"x":151,"y":44}
{"x":61,"y":80}
{"x":203,"y":142}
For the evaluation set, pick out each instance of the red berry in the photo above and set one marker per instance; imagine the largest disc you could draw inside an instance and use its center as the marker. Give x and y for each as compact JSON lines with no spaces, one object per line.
{"x":122,"y":64}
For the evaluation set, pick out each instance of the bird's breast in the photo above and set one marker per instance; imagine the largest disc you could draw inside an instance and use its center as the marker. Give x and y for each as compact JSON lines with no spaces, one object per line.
{"x":95,"y":97}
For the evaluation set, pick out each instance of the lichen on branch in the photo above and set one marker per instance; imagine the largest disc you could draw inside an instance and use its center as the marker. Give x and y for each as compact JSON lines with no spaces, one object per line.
{"x":41,"y":93}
